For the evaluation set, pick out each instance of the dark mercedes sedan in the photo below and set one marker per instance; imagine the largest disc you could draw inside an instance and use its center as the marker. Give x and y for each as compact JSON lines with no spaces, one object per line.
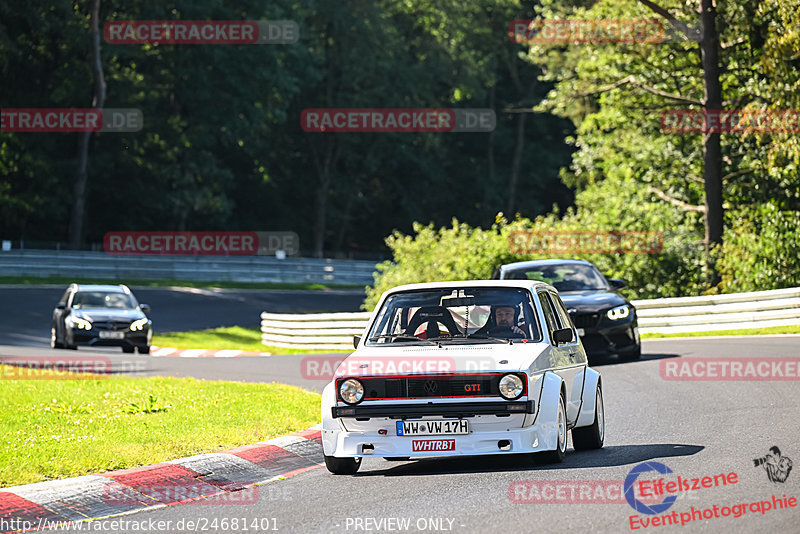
{"x":101,"y":316}
{"x":605,"y":320}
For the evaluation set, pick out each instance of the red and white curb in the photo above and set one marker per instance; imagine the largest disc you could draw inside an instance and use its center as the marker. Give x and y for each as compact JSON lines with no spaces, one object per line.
{"x":160,"y":352}
{"x":195,"y":478}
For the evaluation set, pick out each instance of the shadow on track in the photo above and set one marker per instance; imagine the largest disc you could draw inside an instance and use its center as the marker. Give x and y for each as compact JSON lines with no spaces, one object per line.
{"x":617,"y":455}
{"x":614,"y":360}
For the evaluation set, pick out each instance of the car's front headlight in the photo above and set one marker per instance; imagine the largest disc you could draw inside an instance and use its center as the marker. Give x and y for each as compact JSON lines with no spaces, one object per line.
{"x":620,"y":312}
{"x":351,"y":391}
{"x":79,"y":322}
{"x":511,"y":386}
{"x":138,"y":324}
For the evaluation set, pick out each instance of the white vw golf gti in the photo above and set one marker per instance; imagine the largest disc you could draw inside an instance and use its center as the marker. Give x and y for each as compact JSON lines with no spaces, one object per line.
{"x":463,"y":368}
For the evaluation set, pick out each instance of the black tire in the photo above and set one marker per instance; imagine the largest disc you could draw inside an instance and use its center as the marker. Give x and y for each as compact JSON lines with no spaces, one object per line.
{"x":67,"y":344}
{"x":632,"y":355}
{"x":128,"y":350}
{"x":143,"y":350}
{"x":342,"y":466}
{"x":591,"y":437}
{"x":397,"y":458}
{"x":557,"y":456}
{"x":54,"y":342}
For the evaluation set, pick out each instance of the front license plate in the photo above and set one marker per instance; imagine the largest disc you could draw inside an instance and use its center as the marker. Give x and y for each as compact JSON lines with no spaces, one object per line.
{"x":581,"y":332}
{"x":432,"y":428}
{"x":112,"y":335}
{"x":424,"y":445}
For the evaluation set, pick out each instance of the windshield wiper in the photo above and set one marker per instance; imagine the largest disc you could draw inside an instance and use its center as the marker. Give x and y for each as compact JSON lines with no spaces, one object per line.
{"x":503,"y":339}
{"x":405,"y":337}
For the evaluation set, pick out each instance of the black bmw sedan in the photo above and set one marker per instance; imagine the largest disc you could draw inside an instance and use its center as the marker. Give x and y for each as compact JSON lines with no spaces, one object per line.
{"x":605,"y":320}
{"x":101,"y":316}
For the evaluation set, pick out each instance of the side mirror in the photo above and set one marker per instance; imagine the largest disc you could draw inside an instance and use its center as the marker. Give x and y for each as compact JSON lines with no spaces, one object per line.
{"x":563,"y":335}
{"x":61,"y":306}
{"x":356,"y":341}
{"x":145,"y":308}
{"x":616,"y":283}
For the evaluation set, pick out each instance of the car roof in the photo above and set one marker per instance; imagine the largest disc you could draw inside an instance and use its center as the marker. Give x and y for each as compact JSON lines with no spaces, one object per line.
{"x":521,"y":284}
{"x":120,"y":288}
{"x":542,"y":263}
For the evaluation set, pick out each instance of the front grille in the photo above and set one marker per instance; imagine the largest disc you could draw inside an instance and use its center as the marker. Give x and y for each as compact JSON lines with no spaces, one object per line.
{"x":112,"y":325}
{"x":585,"y":320}
{"x":432,"y":386}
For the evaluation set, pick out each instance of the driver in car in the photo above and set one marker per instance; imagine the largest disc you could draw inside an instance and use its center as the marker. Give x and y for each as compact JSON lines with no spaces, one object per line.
{"x":505,"y":323}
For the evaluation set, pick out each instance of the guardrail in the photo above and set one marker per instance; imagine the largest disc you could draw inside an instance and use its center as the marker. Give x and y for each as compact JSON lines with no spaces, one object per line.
{"x":85,"y":264}
{"x":312,"y":330}
{"x":758,"y":309}
{"x":779,"y":307}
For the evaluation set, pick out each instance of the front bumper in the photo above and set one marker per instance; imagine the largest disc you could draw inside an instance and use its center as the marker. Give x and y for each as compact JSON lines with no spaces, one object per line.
{"x":460,"y":409}
{"x":92,"y":338}
{"x":609,"y":339}
{"x":367,"y":443}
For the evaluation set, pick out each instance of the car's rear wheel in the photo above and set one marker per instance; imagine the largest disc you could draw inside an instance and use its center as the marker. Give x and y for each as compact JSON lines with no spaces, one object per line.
{"x":591,"y":437}
{"x":128,"y":350}
{"x":143,"y":350}
{"x":557,"y":456}
{"x":342,"y":466}
{"x":54,"y":342}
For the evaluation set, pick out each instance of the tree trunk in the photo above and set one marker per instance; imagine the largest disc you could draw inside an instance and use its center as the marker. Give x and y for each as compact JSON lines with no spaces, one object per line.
{"x":712,"y":149}
{"x":76,"y":230}
{"x":324,"y":169}
{"x":490,"y":148}
{"x":519,"y":148}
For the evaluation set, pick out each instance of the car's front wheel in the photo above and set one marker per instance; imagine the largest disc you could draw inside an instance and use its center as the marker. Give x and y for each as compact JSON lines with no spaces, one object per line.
{"x":342,"y":466}
{"x":591,"y":437}
{"x":635,"y":354}
{"x":128,"y":349}
{"x":557,"y":456}
{"x":54,"y":342}
{"x":143,"y":350}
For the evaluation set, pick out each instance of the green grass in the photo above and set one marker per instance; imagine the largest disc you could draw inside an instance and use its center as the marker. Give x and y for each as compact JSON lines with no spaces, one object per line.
{"x":234,"y":337}
{"x":62,"y":280}
{"x":793,"y":329}
{"x":63,"y":428}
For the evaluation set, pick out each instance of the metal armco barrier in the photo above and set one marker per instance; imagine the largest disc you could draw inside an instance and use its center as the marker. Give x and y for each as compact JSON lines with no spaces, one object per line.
{"x":760,"y":309}
{"x":312,"y":330}
{"x":193,"y":268}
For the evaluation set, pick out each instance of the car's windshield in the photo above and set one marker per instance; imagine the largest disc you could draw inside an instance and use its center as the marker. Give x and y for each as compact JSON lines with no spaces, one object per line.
{"x":102,"y":299}
{"x":454,"y":315}
{"x":564,"y":277}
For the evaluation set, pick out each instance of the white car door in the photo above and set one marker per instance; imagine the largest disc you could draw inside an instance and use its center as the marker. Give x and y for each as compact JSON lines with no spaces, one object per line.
{"x":569,"y":360}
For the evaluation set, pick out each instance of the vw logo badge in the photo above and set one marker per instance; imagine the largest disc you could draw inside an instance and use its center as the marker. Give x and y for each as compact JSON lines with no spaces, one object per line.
{"x":431,"y":386}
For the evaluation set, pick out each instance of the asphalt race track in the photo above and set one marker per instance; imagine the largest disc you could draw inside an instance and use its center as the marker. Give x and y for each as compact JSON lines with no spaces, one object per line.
{"x":695,"y":428}
{"x":27,"y":310}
